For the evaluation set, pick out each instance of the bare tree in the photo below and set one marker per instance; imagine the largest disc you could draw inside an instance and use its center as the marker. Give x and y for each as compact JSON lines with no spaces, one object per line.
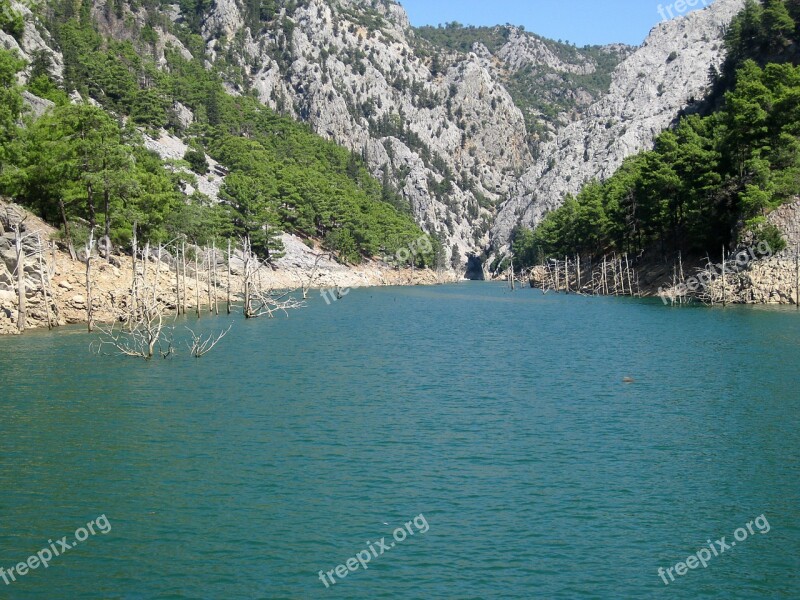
{"x":134,"y":278}
{"x":215,"y":281}
{"x":183,"y":274}
{"x":177,"y":280}
{"x":196,"y":282}
{"x":45,"y":281}
{"x":260,"y":300}
{"x":200,"y":346}
{"x":146,"y":331}
{"x":28,"y":245}
{"x":229,"y":277}
{"x":89,"y":250}
{"x":22,"y":312}
{"x":307,"y":279}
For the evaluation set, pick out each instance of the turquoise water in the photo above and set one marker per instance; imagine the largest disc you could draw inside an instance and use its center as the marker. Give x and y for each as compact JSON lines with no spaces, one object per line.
{"x":502,"y":418}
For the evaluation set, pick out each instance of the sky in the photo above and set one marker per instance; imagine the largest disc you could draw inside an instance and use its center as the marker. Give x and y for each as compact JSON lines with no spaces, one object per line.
{"x":579,"y":21}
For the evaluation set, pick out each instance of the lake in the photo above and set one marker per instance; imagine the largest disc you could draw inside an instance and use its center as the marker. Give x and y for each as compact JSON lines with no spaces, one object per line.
{"x":502,"y":427}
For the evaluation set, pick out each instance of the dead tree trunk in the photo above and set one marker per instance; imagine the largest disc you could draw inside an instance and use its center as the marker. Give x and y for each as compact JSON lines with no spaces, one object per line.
{"x":89,"y":302}
{"x":158,"y":274}
{"x":558,"y":278}
{"x":22,"y":312}
{"x":604,"y":277}
{"x":196,"y":283}
{"x":183,"y":269}
{"x":229,"y":277}
{"x":134,"y":291}
{"x":44,"y":281}
{"x":724,"y":298}
{"x":208,"y":280}
{"x":214,"y":258}
{"x":247,"y":279}
{"x":797,"y":274}
{"x":177,"y":281}
{"x":628,"y":270}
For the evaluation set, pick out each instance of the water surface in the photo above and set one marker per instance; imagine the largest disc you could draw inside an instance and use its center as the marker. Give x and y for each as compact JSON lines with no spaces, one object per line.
{"x":502,"y":418}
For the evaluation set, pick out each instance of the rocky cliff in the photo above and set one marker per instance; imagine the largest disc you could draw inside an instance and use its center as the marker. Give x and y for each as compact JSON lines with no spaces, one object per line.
{"x":478,"y":136}
{"x":479,"y":141}
{"x":667,"y":74}
{"x":448,"y":136}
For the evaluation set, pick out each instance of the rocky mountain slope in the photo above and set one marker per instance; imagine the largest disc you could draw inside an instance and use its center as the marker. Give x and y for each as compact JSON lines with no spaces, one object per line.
{"x":669,"y":73}
{"x":442,"y":123}
{"x":553,"y":83}
{"x":449,"y":138}
{"x":478,"y":141}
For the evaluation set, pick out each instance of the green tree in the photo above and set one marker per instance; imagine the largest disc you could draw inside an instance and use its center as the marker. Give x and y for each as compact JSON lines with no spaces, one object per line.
{"x":11,"y":22}
{"x":254,"y":214}
{"x":523,"y":246}
{"x":778,"y":27}
{"x":10,"y":97}
{"x":197,"y":161}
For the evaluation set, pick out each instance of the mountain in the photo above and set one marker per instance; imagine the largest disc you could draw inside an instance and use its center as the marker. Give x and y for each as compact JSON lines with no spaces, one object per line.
{"x":668,"y":74}
{"x":480,"y":130}
{"x":441,"y":128}
{"x":553,"y":83}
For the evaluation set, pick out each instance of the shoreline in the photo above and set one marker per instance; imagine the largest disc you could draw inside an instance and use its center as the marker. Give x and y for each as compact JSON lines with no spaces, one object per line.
{"x":56,"y":291}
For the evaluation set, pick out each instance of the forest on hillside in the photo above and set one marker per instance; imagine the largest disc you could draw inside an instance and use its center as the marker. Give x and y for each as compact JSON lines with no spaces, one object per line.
{"x":543,"y":94}
{"x":83,"y":165}
{"x":712,"y":179}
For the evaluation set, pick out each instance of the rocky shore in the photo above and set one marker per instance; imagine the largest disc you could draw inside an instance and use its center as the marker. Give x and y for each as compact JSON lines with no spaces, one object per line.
{"x":55,"y":284}
{"x":754,"y":274}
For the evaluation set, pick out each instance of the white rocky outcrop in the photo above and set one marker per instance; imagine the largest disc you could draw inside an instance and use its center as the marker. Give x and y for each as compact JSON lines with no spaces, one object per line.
{"x":347,"y":76}
{"x":668,"y":73}
{"x":34,"y":40}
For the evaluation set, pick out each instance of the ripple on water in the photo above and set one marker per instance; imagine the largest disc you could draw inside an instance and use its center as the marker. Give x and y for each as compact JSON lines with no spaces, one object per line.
{"x":504,"y":419}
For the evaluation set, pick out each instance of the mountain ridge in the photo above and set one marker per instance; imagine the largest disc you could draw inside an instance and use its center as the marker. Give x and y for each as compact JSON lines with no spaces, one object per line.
{"x":440,"y":126}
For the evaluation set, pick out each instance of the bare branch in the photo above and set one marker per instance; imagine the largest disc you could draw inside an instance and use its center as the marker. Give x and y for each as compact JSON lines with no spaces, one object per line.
{"x":201,"y":346}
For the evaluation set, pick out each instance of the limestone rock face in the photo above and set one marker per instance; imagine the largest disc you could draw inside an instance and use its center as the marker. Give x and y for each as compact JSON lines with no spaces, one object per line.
{"x":443,"y":128}
{"x":450,"y":139}
{"x":668,"y":73}
{"x":36,"y":106}
{"x":440,"y":126}
{"x":35,"y":39}
{"x":171,"y":148}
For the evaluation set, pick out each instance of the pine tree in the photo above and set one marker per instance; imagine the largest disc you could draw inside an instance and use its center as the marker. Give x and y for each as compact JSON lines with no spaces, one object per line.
{"x":778,"y":26}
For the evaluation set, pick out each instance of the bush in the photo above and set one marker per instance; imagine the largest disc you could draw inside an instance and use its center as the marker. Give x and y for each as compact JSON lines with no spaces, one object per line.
{"x":11,"y":21}
{"x":341,"y":241}
{"x":764,"y":232}
{"x":197,"y":161}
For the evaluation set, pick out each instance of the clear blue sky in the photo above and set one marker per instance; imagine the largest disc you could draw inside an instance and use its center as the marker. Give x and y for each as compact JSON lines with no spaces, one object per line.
{"x":579,"y":21}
